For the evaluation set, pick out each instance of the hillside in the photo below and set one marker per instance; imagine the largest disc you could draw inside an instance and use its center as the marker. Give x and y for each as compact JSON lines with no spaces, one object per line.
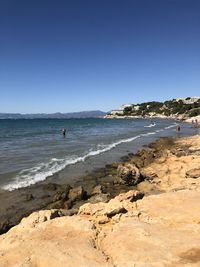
{"x":181,"y":108}
{"x":58,"y":115}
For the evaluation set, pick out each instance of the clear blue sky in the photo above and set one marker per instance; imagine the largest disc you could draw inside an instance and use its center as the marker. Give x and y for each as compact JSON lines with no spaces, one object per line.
{"x":74,"y":55}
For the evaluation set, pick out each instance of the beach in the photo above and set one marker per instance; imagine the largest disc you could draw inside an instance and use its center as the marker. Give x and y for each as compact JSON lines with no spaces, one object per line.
{"x":117,"y":217}
{"x":145,"y":195}
{"x":109,"y":144}
{"x":21,"y":202}
{"x":36,"y":148}
{"x":37,"y":162}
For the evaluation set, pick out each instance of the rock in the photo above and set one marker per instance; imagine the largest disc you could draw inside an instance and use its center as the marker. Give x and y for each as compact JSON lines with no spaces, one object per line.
{"x":5,"y":225}
{"x":146,"y":187}
{"x":162,"y":216}
{"x":116,"y":205}
{"x":179,"y":152}
{"x":56,"y":205}
{"x":68,"y":204}
{"x":98,"y":189}
{"x":193,"y":173}
{"x":92,"y":209}
{"x":99,"y":198}
{"x":40,"y":217}
{"x":69,"y":212}
{"x":29,"y":197}
{"x":147,"y":175}
{"x":78,"y":204}
{"x":108,"y":236}
{"x":62,"y":195}
{"x":67,"y":188}
{"x":57,"y":196}
{"x":103,"y":220}
{"x":62,"y":242}
{"x":132,"y":196}
{"x":77,"y":193}
{"x":144,"y":157}
{"x":116,"y":211}
{"x":51,"y":186}
{"x":128,"y":174}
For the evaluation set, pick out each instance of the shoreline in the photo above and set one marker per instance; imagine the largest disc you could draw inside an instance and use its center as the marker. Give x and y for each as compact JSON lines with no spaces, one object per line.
{"x":47,"y":195}
{"x":134,"y":227}
{"x":61,"y":168}
{"x":94,"y":159}
{"x":52,"y":163}
{"x":179,"y":118}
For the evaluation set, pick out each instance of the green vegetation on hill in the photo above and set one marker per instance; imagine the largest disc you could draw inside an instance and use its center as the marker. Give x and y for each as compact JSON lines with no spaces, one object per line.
{"x":194,"y":112}
{"x":188,"y":107}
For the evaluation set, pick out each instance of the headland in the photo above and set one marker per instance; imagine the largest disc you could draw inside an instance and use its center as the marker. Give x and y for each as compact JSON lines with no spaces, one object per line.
{"x":180,"y":109}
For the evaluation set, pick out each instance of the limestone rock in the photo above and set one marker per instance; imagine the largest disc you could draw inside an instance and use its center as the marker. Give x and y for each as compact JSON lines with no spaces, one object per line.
{"x":99,"y":198}
{"x":40,"y":217}
{"x":45,"y":239}
{"x":69,"y":212}
{"x":169,"y":172}
{"x":193,"y":173}
{"x":116,"y":211}
{"x":132,"y":195}
{"x":128,"y":174}
{"x":59,"y":204}
{"x":167,"y":233}
{"x":98,"y":189}
{"x":149,"y":176}
{"x":68,"y":204}
{"x":62,"y":195}
{"x":77,"y":193}
{"x":66,"y":241}
{"x":116,"y":205}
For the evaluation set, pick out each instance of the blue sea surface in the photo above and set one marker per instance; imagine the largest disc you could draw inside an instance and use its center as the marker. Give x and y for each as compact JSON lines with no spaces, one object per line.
{"x":32,"y":150}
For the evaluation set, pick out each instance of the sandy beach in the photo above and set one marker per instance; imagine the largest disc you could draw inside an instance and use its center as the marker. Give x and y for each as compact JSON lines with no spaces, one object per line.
{"x":126,"y":218}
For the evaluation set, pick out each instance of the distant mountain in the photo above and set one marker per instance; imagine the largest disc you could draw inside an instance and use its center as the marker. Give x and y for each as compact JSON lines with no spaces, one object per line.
{"x":58,"y":115}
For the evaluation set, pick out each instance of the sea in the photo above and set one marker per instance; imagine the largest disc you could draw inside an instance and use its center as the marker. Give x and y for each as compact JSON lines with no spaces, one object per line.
{"x":34,"y":150}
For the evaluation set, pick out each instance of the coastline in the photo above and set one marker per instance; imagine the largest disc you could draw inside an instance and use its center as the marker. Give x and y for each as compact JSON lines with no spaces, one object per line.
{"x":134,"y":227}
{"x":47,"y":195}
{"x":173,"y":117}
{"x":47,"y":154}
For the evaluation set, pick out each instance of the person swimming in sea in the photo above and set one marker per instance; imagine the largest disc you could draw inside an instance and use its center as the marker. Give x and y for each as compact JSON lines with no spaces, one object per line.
{"x":178,"y":128}
{"x":64,"y":132}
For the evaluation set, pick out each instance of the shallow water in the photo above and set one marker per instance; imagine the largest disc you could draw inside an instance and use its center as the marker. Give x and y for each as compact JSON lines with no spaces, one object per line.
{"x":32,"y":150}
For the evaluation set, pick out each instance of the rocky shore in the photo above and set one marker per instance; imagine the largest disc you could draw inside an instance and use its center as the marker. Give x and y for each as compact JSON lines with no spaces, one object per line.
{"x":143,"y":211}
{"x":100,"y":185}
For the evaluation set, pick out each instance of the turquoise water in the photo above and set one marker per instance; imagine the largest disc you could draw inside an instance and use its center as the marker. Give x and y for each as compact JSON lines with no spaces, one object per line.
{"x":32,"y":150}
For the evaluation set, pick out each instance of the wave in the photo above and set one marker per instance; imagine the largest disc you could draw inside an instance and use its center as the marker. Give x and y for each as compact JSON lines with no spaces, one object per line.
{"x":171,"y":126}
{"x":40,"y":172}
{"x":150,"y":125}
